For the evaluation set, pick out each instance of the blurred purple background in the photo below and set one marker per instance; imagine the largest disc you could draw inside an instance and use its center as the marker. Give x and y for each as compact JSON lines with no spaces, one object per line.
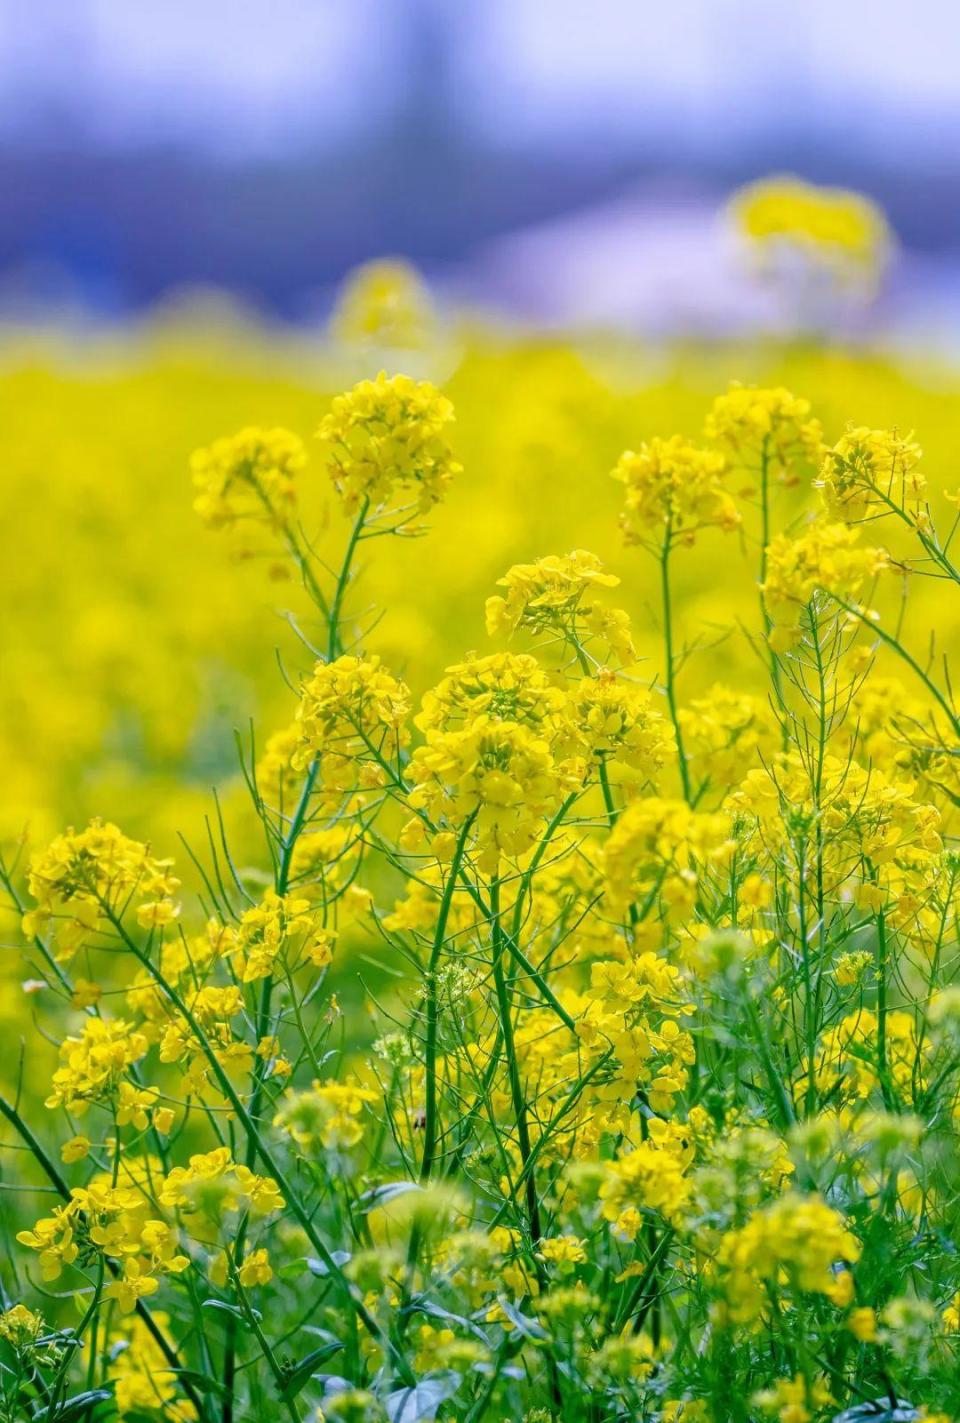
{"x":558,"y":161}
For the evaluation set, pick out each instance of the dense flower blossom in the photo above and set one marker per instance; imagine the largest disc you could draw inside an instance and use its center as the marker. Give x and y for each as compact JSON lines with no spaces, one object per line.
{"x":830,"y":224}
{"x":676,"y":487}
{"x":771,"y":423}
{"x":386,"y":445}
{"x":584,"y":1045}
{"x":84,"y":878}
{"x":352,"y":715}
{"x":620,"y":722}
{"x":248,"y":478}
{"x":871,"y":472}
{"x":140,"y":1373}
{"x":326,"y":1115}
{"x":93,"y":1064}
{"x":497,"y":775}
{"x":796,"y":1243}
{"x":557,"y":597}
{"x":503,"y":686}
{"x":726,"y":730}
{"x":655,"y":838}
{"x":824,"y":558}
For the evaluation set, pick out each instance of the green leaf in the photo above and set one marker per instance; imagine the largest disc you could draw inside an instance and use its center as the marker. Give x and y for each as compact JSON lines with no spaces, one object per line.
{"x":303,"y":1371}
{"x":379,"y":1195}
{"x":80,"y":1404}
{"x":529,"y":1328}
{"x":879,"y":1410}
{"x":317,"y":1267}
{"x":233,"y":1309}
{"x":419,"y":1404}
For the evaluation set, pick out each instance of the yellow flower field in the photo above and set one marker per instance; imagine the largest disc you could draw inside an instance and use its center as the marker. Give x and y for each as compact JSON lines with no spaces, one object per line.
{"x":479,"y":864}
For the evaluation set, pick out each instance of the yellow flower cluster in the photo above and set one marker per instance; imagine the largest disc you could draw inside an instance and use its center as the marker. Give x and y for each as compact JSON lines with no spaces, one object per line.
{"x":824,"y":558}
{"x":652,"y":1178}
{"x":214,"y":1010}
{"x":85,"y":879}
{"x":351,"y":719}
{"x":327,"y":1115}
{"x":504,"y":686}
{"x":674,"y":489}
{"x":114,"y":1221}
{"x":213,"y":1183}
{"x":834,"y":225}
{"x":619,"y":722}
{"x":92,"y":1066}
{"x":265,"y":931}
{"x":871,"y":472}
{"x":725,"y":731}
{"x":384,"y":304}
{"x":772,"y":422}
{"x":20,"y":1326}
{"x":496,"y":776}
{"x":386,"y":446}
{"x":140,"y":1372}
{"x":635,"y":1087}
{"x":662,"y":845}
{"x":248,"y":479}
{"x":797,"y":1243}
{"x":556,"y":598}
{"x":795,"y":1400}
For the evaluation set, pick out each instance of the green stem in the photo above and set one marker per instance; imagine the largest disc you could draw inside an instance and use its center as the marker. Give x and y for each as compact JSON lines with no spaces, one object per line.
{"x":505,"y":1012}
{"x":430,"y":1096}
{"x":882,"y":1011}
{"x":764,"y":611}
{"x":902,"y":652}
{"x":670,"y":670}
{"x":334,"y":641}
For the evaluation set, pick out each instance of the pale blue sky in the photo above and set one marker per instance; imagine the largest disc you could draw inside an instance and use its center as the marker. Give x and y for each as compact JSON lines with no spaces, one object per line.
{"x":262,"y":75}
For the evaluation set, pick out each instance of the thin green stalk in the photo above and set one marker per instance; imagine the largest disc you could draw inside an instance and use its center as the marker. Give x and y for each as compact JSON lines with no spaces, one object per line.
{"x":882,"y":969}
{"x":774,"y":1079}
{"x":334,"y":641}
{"x":774,"y":661}
{"x":907,"y":657}
{"x":670,"y":669}
{"x":268,"y":1354}
{"x":430,"y":1063}
{"x":505,"y":1012}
